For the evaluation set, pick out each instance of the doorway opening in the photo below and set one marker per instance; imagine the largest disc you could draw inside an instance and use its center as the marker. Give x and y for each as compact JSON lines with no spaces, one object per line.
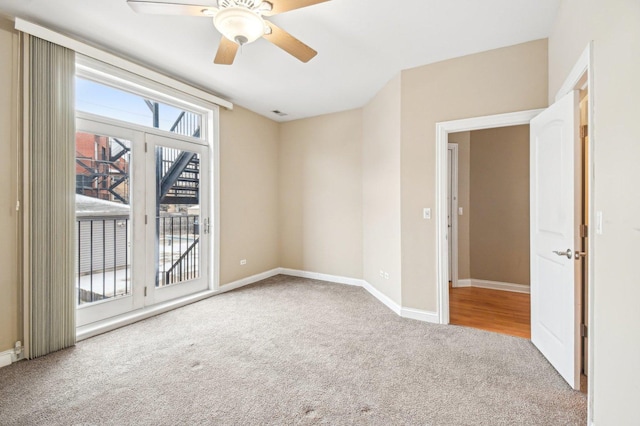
{"x":488,"y":229}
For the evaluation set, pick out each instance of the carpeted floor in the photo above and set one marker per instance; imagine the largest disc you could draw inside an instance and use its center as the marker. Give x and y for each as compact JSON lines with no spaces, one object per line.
{"x":290,"y":351}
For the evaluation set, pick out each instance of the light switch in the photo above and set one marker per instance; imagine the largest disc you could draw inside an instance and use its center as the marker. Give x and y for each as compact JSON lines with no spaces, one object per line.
{"x":426,"y":213}
{"x":459,"y":211}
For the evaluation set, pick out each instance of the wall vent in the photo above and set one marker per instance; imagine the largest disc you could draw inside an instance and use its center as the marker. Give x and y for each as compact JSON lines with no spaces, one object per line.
{"x":280,"y":113}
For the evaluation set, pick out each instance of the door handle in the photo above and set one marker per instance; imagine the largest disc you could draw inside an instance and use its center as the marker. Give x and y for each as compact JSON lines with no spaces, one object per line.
{"x":580,"y":254}
{"x":567,"y":253}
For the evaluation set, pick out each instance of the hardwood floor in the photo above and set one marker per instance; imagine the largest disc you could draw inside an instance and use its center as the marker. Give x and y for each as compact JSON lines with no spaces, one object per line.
{"x":503,"y":312}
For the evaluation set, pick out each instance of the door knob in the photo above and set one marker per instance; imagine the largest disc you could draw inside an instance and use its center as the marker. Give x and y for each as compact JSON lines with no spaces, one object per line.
{"x":567,"y":253}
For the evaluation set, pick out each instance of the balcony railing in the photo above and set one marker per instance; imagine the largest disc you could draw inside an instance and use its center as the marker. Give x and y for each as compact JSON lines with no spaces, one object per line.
{"x":103,"y":267}
{"x":104,"y":253}
{"x":179,"y":249}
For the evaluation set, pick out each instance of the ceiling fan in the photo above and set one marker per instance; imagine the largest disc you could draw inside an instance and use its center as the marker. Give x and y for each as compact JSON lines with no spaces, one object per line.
{"x":240,"y":22}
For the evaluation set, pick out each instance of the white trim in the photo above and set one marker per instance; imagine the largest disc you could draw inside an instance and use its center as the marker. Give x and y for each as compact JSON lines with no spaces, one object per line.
{"x":321,"y":277}
{"x":453,"y":147}
{"x":410,"y":313}
{"x":8,"y":357}
{"x":417,"y":314}
{"x":442,"y":139}
{"x":248,"y":280}
{"x":466,"y":282}
{"x":90,"y":330}
{"x":497,"y":285}
{"x":576,"y":78}
{"x":92,"y":52}
{"x":383,"y":298}
{"x":494,"y":285}
{"x":214,"y":166}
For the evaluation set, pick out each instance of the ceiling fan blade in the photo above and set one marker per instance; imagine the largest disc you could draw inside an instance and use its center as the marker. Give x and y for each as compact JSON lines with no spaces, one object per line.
{"x":160,"y":8}
{"x":281,"y":6}
{"x":226,"y":52}
{"x":289,"y":43}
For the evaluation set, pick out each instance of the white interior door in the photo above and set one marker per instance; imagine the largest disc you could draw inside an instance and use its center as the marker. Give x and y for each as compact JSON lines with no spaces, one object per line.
{"x":555,"y":301}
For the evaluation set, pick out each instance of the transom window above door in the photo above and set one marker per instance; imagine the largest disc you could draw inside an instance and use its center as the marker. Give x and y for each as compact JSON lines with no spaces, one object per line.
{"x":107,"y":101}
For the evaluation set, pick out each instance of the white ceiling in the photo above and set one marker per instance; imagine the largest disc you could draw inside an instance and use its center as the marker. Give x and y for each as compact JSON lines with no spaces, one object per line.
{"x":362,"y":44}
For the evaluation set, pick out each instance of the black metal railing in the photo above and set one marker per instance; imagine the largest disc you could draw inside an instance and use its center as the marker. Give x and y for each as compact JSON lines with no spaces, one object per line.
{"x":102,"y":262}
{"x":185,"y":267}
{"x":179,"y":248}
{"x":188,"y":124}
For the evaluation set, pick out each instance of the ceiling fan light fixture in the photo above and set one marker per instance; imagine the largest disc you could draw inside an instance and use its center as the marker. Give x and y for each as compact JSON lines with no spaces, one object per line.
{"x":239,"y":24}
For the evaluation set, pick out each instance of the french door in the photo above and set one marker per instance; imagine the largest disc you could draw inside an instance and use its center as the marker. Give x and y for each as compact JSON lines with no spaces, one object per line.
{"x":142,"y":227}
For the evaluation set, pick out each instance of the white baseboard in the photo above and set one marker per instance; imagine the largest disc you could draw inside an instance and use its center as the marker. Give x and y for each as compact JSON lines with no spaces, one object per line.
{"x":9,"y":357}
{"x":493,"y":285}
{"x":248,"y":280}
{"x":496,"y":285}
{"x":464,"y":283}
{"x":321,"y":277}
{"x":6,"y":358}
{"x":411,"y":313}
{"x":420,"y":315}
{"x":386,"y":300}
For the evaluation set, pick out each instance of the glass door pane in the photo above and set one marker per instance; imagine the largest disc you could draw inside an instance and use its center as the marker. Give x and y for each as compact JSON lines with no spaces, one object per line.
{"x":105,"y":220}
{"x":177,"y":215}
{"x":103,"y":217}
{"x":180,"y":209}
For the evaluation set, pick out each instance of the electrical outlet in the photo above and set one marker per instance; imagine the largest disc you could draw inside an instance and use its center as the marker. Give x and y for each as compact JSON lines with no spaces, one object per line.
{"x":381,"y":273}
{"x":386,"y":275}
{"x":243,"y":262}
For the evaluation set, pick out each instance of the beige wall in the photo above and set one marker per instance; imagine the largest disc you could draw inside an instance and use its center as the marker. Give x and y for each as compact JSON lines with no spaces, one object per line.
{"x":499,"y":239}
{"x":248,"y":194}
{"x":321,"y":194}
{"x":498,"y":81}
{"x":10,"y":288}
{"x":463,"y":140}
{"x":381,"y":190}
{"x":614,"y":28}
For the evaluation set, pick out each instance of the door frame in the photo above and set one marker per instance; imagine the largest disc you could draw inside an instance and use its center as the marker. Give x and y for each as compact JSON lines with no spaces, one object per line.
{"x":580,"y":76}
{"x":442,"y":140}
{"x":453,"y":147}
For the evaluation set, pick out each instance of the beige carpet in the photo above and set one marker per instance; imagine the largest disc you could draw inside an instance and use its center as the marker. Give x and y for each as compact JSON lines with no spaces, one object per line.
{"x":290,"y":351}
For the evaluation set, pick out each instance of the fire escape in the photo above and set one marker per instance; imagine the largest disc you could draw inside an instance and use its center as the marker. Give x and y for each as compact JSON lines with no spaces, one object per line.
{"x":106,"y":175}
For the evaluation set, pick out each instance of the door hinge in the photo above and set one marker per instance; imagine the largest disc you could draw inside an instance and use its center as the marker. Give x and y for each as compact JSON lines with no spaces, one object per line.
{"x":584,"y":131}
{"x":145,"y":291}
{"x":145,"y":219}
{"x":584,"y":231}
{"x":583,"y":330}
{"x":145,"y":147}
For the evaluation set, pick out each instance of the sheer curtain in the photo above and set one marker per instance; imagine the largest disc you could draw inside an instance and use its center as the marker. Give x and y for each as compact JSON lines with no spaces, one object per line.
{"x":51,"y":139}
